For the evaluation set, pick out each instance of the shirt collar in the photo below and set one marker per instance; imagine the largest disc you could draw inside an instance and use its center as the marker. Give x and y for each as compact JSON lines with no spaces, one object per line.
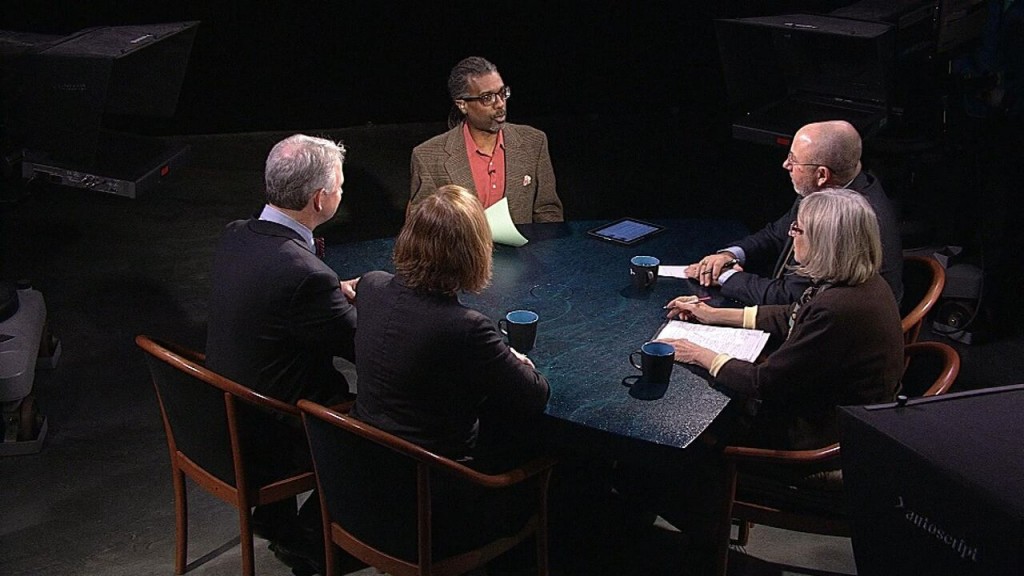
{"x":471,"y":144}
{"x":271,"y":214}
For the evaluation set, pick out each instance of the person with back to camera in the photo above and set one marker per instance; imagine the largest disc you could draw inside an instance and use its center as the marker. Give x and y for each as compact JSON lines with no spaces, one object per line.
{"x":822,"y":155}
{"x":278,"y":315}
{"x":438,"y":373}
{"x":840,"y":344}
{"x":485,"y":154}
{"x":427,"y":365}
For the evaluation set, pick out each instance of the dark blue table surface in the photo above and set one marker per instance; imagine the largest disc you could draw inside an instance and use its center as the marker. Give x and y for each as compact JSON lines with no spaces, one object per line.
{"x":591,"y":318}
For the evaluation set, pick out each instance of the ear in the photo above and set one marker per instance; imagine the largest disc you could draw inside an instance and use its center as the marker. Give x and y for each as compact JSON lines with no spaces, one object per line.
{"x":822,"y":175}
{"x":317,"y":203}
{"x":461,"y":105}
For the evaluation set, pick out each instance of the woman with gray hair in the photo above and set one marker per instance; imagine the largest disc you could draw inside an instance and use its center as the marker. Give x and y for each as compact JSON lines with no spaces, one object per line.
{"x":840,"y":344}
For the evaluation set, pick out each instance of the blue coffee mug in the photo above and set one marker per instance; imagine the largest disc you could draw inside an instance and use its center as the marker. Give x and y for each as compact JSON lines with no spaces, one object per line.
{"x":656,"y":360}
{"x":521,"y":328}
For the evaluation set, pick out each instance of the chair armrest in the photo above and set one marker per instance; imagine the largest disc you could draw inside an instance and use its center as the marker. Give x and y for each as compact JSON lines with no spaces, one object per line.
{"x":931,"y":296}
{"x":943,"y":352}
{"x":507,"y":478}
{"x":422,"y":455}
{"x":746,"y":454}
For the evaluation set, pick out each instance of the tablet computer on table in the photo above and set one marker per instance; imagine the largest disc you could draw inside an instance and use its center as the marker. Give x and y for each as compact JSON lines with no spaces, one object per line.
{"x":626,"y":231}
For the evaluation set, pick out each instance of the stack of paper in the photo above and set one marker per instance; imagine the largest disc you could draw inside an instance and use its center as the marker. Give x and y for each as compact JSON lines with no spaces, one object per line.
{"x":737,"y":342}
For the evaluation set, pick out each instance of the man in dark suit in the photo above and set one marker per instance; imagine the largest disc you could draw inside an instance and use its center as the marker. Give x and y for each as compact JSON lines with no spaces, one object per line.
{"x":484,"y":154}
{"x":822,"y":155}
{"x":277,"y":317}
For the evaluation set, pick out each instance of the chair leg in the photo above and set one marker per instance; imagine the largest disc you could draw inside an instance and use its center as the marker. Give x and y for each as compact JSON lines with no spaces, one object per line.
{"x":743,"y":532}
{"x":180,"y":521}
{"x":245,"y":536}
{"x":542,"y":525}
{"x":725,"y":521}
{"x":330,"y":554}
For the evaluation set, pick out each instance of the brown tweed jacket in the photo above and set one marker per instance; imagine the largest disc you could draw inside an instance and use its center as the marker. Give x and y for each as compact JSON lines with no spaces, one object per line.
{"x":529,"y":177}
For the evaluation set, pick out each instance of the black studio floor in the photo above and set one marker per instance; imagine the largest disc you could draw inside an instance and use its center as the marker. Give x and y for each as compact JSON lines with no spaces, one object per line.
{"x":97,"y":499}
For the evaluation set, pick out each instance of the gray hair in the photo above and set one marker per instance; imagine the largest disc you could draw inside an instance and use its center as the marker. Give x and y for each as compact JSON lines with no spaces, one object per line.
{"x":843,"y":242}
{"x":458,"y":82}
{"x":298,"y":166}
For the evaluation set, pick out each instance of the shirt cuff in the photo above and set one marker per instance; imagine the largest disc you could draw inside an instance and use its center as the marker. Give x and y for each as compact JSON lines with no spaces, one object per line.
{"x":724,"y":276}
{"x":735,"y":251}
{"x":750,"y":317}
{"x":717,"y":363}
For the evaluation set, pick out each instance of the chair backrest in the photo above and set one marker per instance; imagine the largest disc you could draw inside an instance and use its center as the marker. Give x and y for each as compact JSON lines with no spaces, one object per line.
{"x":923,"y":281}
{"x":406,"y":510}
{"x":353,"y":468}
{"x":932,"y":368}
{"x":194,"y":411}
{"x":201,"y":411}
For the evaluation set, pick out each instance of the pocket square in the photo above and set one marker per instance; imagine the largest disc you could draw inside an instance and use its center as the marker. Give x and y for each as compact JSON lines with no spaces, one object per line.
{"x":526,"y":180}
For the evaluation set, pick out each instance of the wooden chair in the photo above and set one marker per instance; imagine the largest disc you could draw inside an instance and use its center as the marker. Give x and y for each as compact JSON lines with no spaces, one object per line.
{"x":404,"y":510}
{"x":923,"y":281}
{"x":201,"y":412}
{"x":814,"y":502}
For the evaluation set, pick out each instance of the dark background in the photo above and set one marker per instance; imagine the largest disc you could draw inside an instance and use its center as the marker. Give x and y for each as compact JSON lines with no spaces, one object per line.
{"x":631,"y":94}
{"x":283,"y":65}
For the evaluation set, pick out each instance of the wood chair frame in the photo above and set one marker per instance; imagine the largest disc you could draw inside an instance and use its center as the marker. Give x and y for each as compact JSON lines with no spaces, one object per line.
{"x":914,"y":318}
{"x":241,"y":494}
{"x":801,"y":520}
{"x":429,"y":465}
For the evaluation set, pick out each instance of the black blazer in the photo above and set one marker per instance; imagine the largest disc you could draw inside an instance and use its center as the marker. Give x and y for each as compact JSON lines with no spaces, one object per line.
{"x":771,"y":243}
{"x":277,"y":314}
{"x":430,"y":369}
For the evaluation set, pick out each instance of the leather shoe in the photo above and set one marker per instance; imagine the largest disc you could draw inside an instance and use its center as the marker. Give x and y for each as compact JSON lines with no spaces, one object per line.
{"x":303,"y":559}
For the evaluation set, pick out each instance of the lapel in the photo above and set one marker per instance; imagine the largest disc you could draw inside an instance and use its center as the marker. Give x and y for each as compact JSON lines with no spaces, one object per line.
{"x":456,"y":165}
{"x":786,"y":256}
{"x":515,"y":167}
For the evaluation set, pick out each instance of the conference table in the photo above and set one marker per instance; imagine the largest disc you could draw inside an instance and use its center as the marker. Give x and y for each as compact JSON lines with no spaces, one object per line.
{"x":591,"y":319}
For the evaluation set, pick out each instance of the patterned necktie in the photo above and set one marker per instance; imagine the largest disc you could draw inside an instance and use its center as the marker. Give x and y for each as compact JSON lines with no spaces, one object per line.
{"x":319,"y":246}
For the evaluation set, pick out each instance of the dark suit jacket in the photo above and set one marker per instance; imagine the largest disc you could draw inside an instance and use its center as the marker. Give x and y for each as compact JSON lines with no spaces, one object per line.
{"x":277,"y":314}
{"x":772,"y":243}
{"x":429,"y":367}
{"x":529,"y":177}
{"x":845,"y":348}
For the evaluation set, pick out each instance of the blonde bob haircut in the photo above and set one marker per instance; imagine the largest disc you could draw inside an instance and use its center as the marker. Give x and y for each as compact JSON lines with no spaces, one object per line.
{"x":843,"y":242}
{"x":445,"y":245}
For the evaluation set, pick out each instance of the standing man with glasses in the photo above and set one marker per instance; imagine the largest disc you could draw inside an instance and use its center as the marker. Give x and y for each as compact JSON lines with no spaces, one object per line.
{"x":822,"y":155}
{"x":484,"y":153}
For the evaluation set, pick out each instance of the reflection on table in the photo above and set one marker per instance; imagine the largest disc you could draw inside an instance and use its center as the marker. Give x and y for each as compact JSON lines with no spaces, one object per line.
{"x":591,"y":318}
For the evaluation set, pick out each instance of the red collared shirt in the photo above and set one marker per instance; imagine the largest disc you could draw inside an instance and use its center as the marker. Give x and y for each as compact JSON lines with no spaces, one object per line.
{"x":488,"y":169}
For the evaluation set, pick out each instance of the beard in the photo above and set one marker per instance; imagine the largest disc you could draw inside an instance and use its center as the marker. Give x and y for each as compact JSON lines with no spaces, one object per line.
{"x":804,"y":190}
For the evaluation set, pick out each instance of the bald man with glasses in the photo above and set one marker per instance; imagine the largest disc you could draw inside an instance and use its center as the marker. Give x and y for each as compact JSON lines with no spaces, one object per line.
{"x":485,"y":154}
{"x":822,"y":155}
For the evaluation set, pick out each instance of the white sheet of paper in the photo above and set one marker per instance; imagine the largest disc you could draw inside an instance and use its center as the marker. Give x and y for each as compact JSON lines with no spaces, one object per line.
{"x":503,"y":231}
{"x":739,"y":343}
{"x":672,"y":271}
